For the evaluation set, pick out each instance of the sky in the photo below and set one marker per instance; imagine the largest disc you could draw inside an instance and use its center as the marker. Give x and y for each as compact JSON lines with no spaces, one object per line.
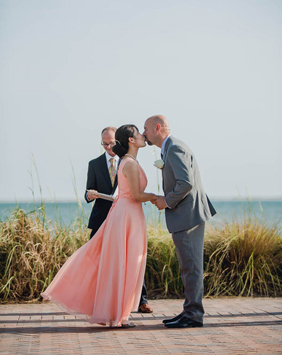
{"x":70,"y":68}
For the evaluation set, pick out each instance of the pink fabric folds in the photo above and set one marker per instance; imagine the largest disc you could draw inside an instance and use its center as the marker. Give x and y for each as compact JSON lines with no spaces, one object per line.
{"x":102,"y":281}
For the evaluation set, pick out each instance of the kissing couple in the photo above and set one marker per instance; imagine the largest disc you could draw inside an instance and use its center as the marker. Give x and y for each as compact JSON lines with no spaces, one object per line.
{"x":102,"y":281}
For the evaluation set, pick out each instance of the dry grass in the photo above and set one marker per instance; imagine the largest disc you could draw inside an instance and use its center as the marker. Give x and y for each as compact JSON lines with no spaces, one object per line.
{"x":162,"y":271}
{"x":32,"y":251}
{"x":239,"y":258}
{"x":243,"y":259}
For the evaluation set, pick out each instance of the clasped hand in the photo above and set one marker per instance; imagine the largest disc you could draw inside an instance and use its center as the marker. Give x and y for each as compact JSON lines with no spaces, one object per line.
{"x":159,"y":202}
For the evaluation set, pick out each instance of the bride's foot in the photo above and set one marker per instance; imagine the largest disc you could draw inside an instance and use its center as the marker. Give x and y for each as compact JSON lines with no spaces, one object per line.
{"x":128,"y":325}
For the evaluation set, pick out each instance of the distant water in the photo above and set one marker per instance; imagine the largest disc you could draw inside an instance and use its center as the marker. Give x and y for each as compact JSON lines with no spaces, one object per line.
{"x":269,"y":212}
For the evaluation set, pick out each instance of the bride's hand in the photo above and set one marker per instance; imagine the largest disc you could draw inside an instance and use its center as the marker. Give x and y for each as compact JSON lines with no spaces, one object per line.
{"x":154,"y":199}
{"x":160,"y":203}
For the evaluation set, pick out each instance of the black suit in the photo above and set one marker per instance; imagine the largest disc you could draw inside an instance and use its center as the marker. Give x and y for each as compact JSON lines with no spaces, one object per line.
{"x":98,"y":179}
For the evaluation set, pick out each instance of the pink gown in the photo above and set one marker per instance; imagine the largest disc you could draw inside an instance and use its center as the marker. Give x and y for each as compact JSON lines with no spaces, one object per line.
{"x":102,"y":281}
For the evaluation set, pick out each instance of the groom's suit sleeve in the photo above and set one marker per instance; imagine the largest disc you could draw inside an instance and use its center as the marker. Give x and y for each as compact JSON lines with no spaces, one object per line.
{"x":181,"y":164}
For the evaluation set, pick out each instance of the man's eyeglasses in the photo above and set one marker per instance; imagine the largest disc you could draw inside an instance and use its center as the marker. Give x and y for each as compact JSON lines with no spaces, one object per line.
{"x":105,"y":145}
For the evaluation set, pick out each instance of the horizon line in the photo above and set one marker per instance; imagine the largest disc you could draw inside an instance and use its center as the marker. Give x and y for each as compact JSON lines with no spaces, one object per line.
{"x":214,"y":198}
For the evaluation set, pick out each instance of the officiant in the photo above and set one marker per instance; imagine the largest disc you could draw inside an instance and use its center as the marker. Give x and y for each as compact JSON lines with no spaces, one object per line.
{"x":102,"y":178}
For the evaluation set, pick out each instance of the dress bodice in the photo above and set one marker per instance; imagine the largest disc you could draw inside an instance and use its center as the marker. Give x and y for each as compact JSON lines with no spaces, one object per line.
{"x":123,"y":185}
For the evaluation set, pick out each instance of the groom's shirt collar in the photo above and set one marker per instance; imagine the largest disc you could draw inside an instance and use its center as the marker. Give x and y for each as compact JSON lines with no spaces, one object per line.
{"x":163,"y":145}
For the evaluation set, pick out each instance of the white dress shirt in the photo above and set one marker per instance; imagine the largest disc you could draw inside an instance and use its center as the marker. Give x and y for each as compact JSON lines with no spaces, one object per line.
{"x":116,"y":160}
{"x":116,"y":157}
{"x":108,"y":157}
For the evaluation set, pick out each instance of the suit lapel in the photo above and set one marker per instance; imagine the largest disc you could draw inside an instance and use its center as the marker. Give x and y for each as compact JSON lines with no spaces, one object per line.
{"x":105,"y":171}
{"x":167,"y":143}
{"x":116,"y":179}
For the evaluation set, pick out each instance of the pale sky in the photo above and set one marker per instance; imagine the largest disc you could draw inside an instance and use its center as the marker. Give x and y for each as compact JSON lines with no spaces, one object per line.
{"x":70,"y":68}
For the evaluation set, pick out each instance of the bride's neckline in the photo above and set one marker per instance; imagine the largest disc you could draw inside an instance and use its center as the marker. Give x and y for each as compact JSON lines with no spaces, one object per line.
{"x":131,"y":156}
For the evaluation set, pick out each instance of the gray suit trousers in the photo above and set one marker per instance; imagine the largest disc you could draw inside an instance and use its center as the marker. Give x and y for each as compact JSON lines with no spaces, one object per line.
{"x":189,"y":245}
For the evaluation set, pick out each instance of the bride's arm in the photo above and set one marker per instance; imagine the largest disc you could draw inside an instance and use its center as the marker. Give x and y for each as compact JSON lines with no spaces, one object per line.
{"x":131,"y":172}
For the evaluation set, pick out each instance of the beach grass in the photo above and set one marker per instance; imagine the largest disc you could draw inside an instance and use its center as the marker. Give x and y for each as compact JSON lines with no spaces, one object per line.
{"x":32,"y":250}
{"x":240,"y":258}
{"x":243,"y":259}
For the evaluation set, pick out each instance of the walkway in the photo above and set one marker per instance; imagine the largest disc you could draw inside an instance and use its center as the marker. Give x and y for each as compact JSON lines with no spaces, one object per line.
{"x":231,"y":326}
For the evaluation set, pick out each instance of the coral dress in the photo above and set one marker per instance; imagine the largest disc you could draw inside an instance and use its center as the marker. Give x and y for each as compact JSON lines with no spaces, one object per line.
{"x":102,"y":281}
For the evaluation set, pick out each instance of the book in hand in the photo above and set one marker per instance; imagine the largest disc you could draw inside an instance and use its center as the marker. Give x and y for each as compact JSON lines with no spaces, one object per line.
{"x":105,"y":196}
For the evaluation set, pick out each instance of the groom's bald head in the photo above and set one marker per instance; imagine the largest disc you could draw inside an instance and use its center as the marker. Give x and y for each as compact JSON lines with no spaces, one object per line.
{"x":162,"y":121}
{"x":156,"y":129}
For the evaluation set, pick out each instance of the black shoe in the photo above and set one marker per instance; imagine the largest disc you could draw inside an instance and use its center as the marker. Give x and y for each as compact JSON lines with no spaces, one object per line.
{"x":173,"y":319}
{"x":184,"y":322}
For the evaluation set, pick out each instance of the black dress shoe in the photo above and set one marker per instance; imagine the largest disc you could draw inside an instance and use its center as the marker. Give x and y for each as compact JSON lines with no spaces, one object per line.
{"x":173,"y":319}
{"x":184,"y":322}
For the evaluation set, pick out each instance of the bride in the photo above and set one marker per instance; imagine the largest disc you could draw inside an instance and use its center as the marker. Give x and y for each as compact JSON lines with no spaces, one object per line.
{"x":102,"y":281}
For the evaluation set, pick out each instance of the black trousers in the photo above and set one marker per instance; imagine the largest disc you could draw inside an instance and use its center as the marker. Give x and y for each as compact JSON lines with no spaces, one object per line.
{"x":144,"y":295}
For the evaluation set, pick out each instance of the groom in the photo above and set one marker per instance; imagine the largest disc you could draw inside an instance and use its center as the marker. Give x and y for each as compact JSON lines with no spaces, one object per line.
{"x":187,"y":208}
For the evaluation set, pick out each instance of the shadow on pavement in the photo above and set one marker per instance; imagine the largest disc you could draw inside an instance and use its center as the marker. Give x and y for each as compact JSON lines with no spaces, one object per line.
{"x":99,"y":329}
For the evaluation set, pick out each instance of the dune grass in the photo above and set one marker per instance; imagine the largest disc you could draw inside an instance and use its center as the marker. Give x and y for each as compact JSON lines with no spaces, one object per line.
{"x":243,"y":259}
{"x":32,"y":251}
{"x":240,"y":258}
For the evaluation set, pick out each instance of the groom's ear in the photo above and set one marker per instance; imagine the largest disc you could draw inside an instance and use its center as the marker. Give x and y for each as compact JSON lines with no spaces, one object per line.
{"x":158,"y":127}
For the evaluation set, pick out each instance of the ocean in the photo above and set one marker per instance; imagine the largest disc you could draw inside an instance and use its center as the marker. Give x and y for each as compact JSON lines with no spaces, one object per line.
{"x":269,"y":212}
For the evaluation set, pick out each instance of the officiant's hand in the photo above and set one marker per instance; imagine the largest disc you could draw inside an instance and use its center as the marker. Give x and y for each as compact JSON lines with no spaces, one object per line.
{"x":160,"y":203}
{"x":92,"y":195}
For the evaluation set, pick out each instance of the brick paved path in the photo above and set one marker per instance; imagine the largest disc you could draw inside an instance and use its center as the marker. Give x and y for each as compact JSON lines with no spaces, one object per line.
{"x":231,"y":326}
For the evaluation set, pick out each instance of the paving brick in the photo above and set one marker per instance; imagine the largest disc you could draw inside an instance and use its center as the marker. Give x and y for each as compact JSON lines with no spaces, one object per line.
{"x":231,"y":326}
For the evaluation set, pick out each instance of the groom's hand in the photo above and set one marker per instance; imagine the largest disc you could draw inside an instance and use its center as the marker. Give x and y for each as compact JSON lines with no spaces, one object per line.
{"x":154,"y":199}
{"x":160,"y":203}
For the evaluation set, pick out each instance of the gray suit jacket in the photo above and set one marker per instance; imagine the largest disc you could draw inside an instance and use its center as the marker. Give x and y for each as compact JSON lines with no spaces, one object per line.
{"x":183,"y":189}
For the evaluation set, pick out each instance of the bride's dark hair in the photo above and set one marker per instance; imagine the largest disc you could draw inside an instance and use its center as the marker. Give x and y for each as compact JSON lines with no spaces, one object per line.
{"x":122,"y":134}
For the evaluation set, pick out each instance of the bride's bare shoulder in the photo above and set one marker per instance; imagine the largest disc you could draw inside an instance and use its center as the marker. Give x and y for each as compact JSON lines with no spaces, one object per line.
{"x":130,"y":166}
